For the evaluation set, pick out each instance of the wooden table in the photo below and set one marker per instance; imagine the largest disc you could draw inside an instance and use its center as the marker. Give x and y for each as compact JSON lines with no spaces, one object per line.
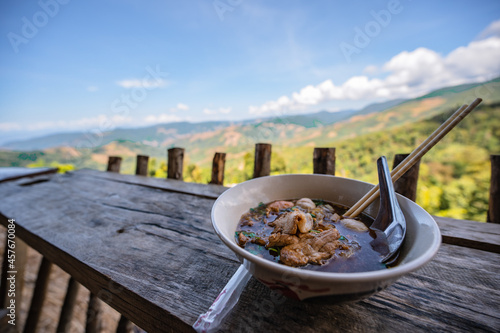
{"x":146,"y":247}
{"x":13,"y":173}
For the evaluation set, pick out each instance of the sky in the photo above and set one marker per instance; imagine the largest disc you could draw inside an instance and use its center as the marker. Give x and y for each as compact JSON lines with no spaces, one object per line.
{"x":68,"y":65}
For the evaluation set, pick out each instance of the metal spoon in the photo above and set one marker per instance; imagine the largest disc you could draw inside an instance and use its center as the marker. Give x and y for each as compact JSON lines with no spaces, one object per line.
{"x":390,"y":219}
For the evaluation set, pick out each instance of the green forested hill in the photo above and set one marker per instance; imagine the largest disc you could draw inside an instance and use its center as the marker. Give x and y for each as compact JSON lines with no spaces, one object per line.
{"x":454,"y":176}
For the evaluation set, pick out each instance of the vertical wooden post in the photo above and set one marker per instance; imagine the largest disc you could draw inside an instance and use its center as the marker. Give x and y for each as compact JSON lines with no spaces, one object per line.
{"x":94,"y":323}
{"x":114,"y":163}
{"x":407,"y":184}
{"x":38,"y":297}
{"x":68,"y":305}
{"x":218,"y":166}
{"x":124,"y":325}
{"x":324,"y":161}
{"x":141,"y":167}
{"x":175,"y":163}
{"x":494,"y":204}
{"x":262,"y":162}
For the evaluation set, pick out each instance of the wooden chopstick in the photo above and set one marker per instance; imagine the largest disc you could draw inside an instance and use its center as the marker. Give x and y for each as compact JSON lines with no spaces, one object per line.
{"x":416,"y":155}
{"x":375,"y":189}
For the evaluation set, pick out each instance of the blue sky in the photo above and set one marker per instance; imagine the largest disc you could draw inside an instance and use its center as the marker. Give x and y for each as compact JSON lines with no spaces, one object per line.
{"x":68,"y":65}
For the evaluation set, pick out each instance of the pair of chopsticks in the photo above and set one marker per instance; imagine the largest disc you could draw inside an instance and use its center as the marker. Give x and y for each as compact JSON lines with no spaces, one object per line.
{"x":415,"y":155}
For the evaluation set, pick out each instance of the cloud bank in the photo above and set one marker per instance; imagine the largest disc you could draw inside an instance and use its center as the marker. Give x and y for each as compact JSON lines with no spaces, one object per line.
{"x":406,"y":75}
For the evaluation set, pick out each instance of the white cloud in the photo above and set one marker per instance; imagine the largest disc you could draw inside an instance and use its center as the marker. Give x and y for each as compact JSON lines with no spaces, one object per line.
{"x":144,"y":83}
{"x":92,"y":88}
{"x":100,"y":122}
{"x":218,"y":111}
{"x":179,"y":107}
{"x":408,"y":74}
{"x":492,"y":30}
{"x":161,"y":118}
{"x":7,"y":127}
{"x":371,"y":69}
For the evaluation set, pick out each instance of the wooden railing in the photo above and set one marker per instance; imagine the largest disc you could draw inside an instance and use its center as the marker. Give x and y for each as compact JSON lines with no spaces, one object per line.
{"x":323,"y":163}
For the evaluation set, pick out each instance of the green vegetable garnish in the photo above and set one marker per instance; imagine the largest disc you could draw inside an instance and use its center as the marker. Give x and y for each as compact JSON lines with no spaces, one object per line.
{"x":246,"y":233}
{"x":274,"y":249}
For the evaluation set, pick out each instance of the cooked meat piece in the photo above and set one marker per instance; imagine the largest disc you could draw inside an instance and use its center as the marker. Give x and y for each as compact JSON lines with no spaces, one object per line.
{"x":301,"y":254}
{"x":289,"y":222}
{"x":318,"y":215}
{"x":247,"y":219}
{"x":354,"y":224}
{"x":313,"y":248}
{"x":281,"y":240}
{"x":306,"y":203}
{"x":322,"y":226}
{"x":335,"y":217}
{"x":286,"y":223}
{"x":260,"y":241}
{"x":278,"y":205}
{"x":247,"y":223}
{"x":320,"y":239}
{"x":242,"y":239}
{"x":305,"y":224}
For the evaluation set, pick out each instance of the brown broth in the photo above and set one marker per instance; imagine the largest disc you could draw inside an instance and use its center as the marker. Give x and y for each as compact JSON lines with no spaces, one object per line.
{"x":254,"y":225}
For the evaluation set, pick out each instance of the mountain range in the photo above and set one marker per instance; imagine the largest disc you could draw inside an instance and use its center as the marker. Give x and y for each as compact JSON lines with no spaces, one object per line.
{"x":202,"y":140}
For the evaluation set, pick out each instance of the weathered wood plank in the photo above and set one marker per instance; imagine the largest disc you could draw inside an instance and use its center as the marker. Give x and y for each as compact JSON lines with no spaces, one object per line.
{"x":439,"y":297}
{"x":171,"y":185}
{"x":152,"y":255}
{"x":156,"y":231}
{"x":472,"y":234}
{"x":13,"y":173}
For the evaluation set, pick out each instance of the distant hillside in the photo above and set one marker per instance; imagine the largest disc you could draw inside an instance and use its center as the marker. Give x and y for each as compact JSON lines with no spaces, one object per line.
{"x":454,"y":175}
{"x":164,"y":135}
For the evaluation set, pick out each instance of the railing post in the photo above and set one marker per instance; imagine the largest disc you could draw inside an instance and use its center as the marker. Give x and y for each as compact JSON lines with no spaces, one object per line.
{"x":68,"y":306}
{"x":94,"y":320}
{"x":114,"y":163}
{"x":494,"y":203}
{"x":407,"y":184}
{"x":141,"y":167}
{"x":175,"y":163}
{"x":324,"y":161}
{"x":124,"y":325}
{"x":38,"y":297}
{"x":218,"y":166}
{"x":262,"y":162}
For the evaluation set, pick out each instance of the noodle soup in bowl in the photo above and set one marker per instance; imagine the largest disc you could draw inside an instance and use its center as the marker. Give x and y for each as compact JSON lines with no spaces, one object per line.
{"x":421,"y":243}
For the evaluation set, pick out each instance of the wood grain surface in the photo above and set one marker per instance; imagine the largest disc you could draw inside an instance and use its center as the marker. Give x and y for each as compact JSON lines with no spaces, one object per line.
{"x":146,"y":247}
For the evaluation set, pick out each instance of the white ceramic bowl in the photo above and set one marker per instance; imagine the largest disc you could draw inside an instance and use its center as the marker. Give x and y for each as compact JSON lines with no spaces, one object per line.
{"x":421,"y":243}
